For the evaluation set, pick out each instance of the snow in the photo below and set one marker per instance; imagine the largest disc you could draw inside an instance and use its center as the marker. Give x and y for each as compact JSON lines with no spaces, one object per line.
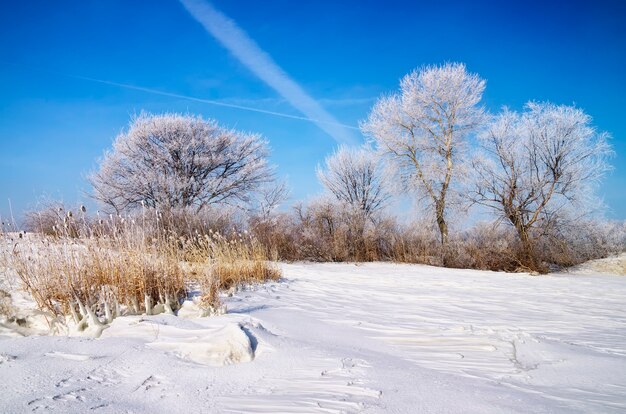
{"x":222,"y":345}
{"x":615,"y":265}
{"x":333,"y":338}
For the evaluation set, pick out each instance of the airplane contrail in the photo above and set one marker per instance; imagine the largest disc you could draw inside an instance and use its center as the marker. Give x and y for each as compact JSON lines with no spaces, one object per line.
{"x":212,"y":102}
{"x":187,"y":97}
{"x":246,"y":50}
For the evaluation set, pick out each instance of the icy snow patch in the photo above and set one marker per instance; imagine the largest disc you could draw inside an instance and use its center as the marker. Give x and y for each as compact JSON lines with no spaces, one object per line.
{"x":223,"y":344}
{"x":191,"y":309}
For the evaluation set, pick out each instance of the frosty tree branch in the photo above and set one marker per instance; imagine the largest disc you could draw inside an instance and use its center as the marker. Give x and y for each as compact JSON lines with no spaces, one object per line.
{"x":536,"y":163}
{"x":174,"y":160}
{"x":423,"y":128}
{"x":355,"y":177}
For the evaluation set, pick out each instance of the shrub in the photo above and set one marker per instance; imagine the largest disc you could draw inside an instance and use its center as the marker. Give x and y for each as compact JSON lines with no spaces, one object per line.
{"x":324,"y":230}
{"x":53,"y":218}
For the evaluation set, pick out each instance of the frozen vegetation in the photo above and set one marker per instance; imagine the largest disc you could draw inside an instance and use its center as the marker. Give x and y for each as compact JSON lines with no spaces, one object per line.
{"x":331,"y":338}
{"x":109,"y":311}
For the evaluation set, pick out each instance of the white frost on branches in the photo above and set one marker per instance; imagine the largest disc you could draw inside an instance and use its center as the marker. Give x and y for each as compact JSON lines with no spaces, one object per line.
{"x":355,"y":177}
{"x":537,"y":165}
{"x":175,"y":160}
{"x":423,"y":128}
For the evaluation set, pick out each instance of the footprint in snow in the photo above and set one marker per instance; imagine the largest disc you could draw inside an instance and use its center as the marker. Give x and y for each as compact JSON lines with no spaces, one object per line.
{"x":6,"y":358}
{"x":153,"y":382}
{"x":71,"y":396}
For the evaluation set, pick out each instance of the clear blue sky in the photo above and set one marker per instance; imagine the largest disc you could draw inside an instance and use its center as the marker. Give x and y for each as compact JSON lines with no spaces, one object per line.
{"x":344,"y":54}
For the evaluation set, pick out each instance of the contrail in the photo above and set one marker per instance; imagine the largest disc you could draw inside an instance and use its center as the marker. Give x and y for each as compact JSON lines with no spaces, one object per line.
{"x":237,"y":41}
{"x":212,"y":102}
{"x":186,"y":97}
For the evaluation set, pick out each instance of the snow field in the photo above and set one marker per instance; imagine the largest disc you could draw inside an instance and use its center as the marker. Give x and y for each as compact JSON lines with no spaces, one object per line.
{"x":343,"y":338}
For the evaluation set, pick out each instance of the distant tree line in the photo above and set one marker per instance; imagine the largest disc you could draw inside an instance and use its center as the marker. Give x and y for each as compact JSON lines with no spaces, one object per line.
{"x":536,"y":171}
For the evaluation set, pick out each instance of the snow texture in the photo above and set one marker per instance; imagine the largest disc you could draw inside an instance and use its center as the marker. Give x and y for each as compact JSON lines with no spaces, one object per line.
{"x":334,"y":338}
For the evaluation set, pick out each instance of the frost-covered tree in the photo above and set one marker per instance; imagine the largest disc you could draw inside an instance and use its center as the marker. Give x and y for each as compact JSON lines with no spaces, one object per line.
{"x":423,"y":128}
{"x":355,"y":177}
{"x":180,"y":161}
{"x":270,"y":197}
{"x":539,"y":164}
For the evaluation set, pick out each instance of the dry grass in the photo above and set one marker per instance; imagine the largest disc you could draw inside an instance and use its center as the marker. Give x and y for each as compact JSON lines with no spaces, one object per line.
{"x":132,"y":265}
{"x":323,"y":231}
{"x":6,"y":306}
{"x":91,"y":270}
{"x":221,"y":263}
{"x":239,"y":262}
{"x":87,"y":278}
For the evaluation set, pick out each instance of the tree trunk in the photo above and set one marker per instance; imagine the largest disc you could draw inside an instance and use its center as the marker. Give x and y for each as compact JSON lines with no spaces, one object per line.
{"x":443,"y":232}
{"x":529,"y":257}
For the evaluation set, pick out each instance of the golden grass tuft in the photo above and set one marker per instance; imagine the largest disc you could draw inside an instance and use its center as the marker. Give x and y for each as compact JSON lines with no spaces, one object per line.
{"x":128,"y":266}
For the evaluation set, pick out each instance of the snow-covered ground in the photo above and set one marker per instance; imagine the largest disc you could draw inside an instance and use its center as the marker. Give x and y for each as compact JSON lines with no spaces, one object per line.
{"x":336,"y":338}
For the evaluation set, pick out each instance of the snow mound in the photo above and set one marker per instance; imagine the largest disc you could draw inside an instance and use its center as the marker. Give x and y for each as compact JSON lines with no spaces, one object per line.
{"x":615,"y":265}
{"x":19,"y":316}
{"x":224,"y":343}
{"x":225,"y":346}
{"x":191,"y":309}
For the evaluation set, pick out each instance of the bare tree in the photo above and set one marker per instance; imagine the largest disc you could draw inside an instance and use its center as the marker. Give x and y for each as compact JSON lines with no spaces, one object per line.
{"x":175,"y":160}
{"x":424,"y":128}
{"x":355,"y":176}
{"x":270,"y":197}
{"x":537,"y":164}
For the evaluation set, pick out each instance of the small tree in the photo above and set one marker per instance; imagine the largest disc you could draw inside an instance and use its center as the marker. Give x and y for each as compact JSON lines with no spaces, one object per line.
{"x":537,"y":164}
{"x":355,"y":177}
{"x":270,"y":197}
{"x":180,"y":161}
{"x":423,"y":129}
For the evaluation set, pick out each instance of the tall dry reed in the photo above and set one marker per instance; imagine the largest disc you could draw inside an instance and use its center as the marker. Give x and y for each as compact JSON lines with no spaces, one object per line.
{"x":91,"y":271}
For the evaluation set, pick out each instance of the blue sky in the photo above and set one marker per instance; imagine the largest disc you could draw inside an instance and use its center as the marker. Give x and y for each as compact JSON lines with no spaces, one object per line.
{"x":343,"y":54}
